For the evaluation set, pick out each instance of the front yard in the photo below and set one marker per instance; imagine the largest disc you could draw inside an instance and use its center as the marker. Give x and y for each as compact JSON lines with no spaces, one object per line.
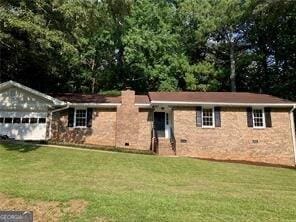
{"x":69,"y":185}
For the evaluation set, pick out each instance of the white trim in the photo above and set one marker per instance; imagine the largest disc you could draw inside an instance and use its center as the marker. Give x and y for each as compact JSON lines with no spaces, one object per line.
{"x":74,"y":122}
{"x":158,"y":102}
{"x":143,"y":104}
{"x":60,"y":109}
{"x":293,"y":131}
{"x":263,"y":118}
{"x":94,"y":105}
{"x":213,"y":117}
{"x":168,"y":124}
{"x":30,"y":90}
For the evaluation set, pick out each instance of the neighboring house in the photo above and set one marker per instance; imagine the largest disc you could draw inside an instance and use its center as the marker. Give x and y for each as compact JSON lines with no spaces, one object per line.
{"x":210,"y":125}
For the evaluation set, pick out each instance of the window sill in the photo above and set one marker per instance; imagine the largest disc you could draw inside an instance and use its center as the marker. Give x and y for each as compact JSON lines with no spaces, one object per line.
{"x":208,"y":127}
{"x":259,"y":128}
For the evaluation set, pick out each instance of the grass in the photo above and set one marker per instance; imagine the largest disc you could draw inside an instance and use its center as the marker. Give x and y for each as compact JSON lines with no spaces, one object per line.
{"x":105,"y":148}
{"x":134,"y":187}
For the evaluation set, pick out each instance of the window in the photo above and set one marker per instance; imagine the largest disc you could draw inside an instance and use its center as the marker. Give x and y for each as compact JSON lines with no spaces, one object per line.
{"x":25,"y":120}
{"x":1,"y":119}
{"x":258,"y":118}
{"x":207,"y":117}
{"x":8,"y":120}
{"x":80,"y":118}
{"x":42,"y":120}
{"x":33,"y":120}
{"x":16,"y":120}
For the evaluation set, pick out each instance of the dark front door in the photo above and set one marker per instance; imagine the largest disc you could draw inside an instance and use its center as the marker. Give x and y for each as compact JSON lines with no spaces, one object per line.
{"x":159,"y":123}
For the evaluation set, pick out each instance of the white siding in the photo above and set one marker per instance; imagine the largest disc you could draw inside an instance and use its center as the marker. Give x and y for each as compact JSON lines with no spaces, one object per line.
{"x":17,"y":99}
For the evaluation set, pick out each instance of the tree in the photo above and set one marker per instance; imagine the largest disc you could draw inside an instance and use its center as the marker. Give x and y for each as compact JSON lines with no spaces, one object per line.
{"x":155,"y":51}
{"x":92,"y":46}
{"x":230,"y":30}
{"x":32,"y":44}
{"x":270,"y":66}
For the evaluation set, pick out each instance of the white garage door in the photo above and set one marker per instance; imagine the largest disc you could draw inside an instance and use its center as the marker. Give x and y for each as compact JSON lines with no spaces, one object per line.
{"x":23,"y":125}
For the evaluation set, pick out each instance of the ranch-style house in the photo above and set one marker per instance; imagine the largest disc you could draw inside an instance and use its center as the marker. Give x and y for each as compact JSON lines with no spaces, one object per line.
{"x":235,"y":126}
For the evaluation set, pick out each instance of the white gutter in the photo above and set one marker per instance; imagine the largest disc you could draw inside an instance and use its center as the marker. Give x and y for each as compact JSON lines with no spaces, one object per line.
{"x":143,"y":105}
{"x":95,"y":104}
{"x":293,"y":131}
{"x":60,"y":109}
{"x":176,"y":103}
{"x":101,"y":105}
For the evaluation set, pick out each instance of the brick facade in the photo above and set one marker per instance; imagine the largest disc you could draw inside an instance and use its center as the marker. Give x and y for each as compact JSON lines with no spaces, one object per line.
{"x":145,"y":129}
{"x":126,"y":121}
{"x":102,"y":132}
{"x":133,"y":126}
{"x":234,"y":140}
{"x":126,"y":126}
{"x":129,"y":126}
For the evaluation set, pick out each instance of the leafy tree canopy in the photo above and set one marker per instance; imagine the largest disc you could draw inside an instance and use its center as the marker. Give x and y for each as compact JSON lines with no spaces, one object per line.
{"x":168,"y":45}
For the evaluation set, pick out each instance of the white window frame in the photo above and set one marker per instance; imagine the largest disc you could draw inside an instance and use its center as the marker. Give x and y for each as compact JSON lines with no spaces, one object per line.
{"x":263,"y":118}
{"x":75,"y":110}
{"x":213,"y":117}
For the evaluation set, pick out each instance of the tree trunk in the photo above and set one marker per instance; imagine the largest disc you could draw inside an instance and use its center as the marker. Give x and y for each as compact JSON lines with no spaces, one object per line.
{"x":232,"y":68}
{"x":93,"y":84}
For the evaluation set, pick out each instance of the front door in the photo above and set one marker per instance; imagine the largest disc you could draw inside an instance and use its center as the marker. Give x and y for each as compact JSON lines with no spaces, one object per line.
{"x":159,"y":123}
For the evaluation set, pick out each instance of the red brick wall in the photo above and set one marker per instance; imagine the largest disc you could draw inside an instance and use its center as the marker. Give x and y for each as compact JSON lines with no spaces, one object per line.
{"x":125,"y":127}
{"x":133,"y":126}
{"x":102,"y":131}
{"x":234,"y":140}
{"x":129,"y":126}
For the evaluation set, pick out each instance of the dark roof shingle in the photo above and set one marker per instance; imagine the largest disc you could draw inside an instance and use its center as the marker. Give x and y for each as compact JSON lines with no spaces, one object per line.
{"x":95,"y":98}
{"x":207,"y":97}
{"x":86,"y":98}
{"x":218,"y":97}
{"x":143,"y":99}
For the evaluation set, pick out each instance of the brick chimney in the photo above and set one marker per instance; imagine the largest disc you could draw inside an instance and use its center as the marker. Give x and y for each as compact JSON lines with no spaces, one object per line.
{"x":128,"y":97}
{"x":127,"y":121}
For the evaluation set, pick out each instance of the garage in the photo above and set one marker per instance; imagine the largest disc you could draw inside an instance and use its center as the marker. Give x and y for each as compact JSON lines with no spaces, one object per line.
{"x":24,"y":125}
{"x":25,"y":113}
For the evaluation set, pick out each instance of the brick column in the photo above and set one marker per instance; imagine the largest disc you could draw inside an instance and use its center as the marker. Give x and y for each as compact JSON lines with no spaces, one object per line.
{"x":127,"y":121}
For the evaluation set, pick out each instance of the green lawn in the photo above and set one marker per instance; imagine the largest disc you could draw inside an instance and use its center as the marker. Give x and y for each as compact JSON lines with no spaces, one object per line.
{"x":135,"y":187}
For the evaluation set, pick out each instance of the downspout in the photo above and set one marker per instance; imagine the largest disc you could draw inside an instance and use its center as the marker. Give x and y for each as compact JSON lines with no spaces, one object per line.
{"x":50,"y":117}
{"x":293,"y":131}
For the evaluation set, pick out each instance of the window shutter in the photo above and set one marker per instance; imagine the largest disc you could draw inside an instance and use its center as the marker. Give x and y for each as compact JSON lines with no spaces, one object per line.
{"x":268,"y":122}
{"x":198,"y":116}
{"x":250,"y":117}
{"x":89,"y":117}
{"x":70,"y":117}
{"x":217,"y":111}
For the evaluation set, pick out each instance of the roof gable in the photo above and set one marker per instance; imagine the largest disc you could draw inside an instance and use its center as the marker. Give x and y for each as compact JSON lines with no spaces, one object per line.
{"x":11,"y":84}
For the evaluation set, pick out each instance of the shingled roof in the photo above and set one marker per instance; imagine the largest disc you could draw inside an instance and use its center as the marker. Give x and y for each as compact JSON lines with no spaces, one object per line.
{"x":178,"y":97}
{"x":86,"y":98}
{"x":215,"y":97}
{"x":96,"y":98}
